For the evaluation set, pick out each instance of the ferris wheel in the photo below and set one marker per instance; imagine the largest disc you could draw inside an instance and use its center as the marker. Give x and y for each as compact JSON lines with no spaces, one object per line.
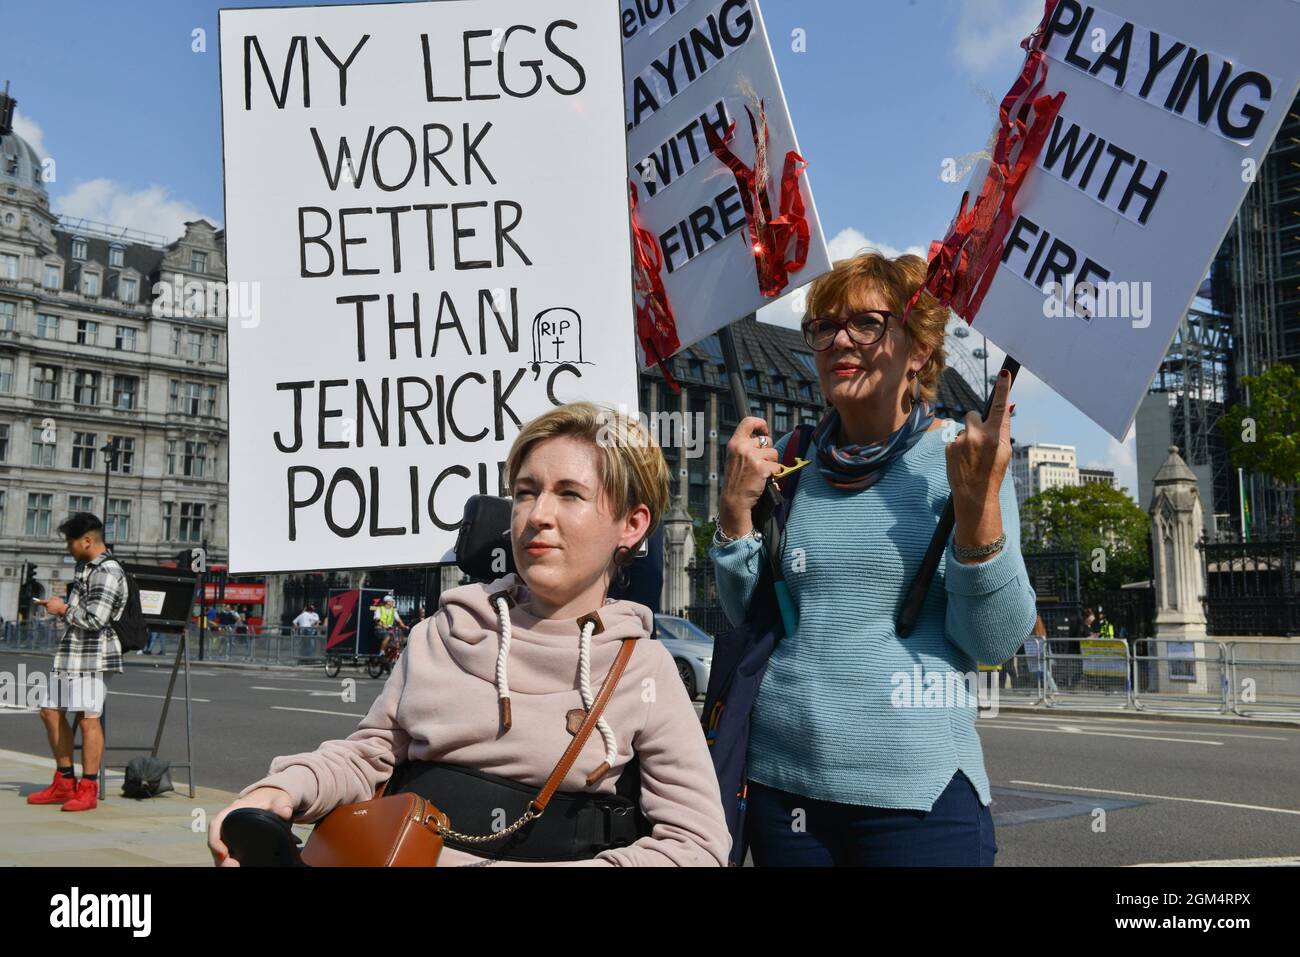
{"x":968,"y":354}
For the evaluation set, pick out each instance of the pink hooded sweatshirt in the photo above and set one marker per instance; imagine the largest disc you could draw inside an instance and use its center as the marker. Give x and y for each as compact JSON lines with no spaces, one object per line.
{"x":442,"y":703}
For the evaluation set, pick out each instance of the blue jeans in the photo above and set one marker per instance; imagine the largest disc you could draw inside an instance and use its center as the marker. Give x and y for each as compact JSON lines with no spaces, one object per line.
{"x":787,"y":830}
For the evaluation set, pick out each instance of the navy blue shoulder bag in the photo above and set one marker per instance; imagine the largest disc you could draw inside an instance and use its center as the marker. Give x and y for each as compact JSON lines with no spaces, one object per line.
{"x":740,"y":656}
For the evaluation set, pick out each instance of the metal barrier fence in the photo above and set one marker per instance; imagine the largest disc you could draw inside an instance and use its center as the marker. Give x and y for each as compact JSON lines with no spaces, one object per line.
{"x":1247,"y":677}
{"x":282,"y":646}
{"x":1251,"y":678}
{"x":1264,"y":678}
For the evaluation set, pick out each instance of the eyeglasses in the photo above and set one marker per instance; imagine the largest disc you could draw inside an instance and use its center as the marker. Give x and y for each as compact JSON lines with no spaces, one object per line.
{"x":864,"y":329}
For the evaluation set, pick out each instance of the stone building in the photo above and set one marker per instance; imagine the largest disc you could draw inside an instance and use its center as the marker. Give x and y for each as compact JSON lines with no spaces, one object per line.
{"x":112,"y":347}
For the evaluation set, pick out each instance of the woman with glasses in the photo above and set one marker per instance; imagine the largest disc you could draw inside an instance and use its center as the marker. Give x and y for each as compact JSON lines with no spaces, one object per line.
{"x":862,"y":746}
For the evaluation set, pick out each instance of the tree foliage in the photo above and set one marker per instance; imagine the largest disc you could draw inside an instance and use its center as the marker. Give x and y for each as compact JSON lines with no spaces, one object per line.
{"x":1264,"y":436}
{"x":1083,"y":518}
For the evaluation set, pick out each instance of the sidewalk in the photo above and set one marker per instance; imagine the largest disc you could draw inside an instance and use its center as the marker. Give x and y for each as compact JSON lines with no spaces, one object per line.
{"x":121,"y":832}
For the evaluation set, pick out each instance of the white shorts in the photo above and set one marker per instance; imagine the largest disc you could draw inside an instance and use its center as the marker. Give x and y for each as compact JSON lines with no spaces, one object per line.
{"x":82,"y":691}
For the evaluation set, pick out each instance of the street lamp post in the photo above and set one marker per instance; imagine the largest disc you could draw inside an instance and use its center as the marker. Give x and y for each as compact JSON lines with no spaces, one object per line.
{"x":110,"y":452}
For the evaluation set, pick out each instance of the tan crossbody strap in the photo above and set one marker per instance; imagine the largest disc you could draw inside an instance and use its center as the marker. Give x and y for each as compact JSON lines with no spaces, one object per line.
{"x":575,"y":746}
{"x":538,"y":804}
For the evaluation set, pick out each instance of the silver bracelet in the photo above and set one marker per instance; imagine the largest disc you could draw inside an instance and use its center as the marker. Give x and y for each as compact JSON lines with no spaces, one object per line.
{"x":981,"y":551}
{"x":721,"y":539}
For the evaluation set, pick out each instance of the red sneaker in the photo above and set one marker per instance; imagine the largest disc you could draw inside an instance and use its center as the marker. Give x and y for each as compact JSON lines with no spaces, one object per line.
{"x":61,"y":790}
{"x":86,"y":797}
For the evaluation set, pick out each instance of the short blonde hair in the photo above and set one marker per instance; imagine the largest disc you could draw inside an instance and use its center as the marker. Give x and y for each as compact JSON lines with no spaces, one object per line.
{"x":851,"y":281}
{"x":631,"y":467}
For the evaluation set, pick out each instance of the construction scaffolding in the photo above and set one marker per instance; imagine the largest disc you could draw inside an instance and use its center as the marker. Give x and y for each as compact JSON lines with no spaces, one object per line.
{"x":1245,"y":318}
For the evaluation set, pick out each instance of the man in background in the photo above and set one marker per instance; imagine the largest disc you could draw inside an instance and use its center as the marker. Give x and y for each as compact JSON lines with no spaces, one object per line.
{"x":87,"y":653}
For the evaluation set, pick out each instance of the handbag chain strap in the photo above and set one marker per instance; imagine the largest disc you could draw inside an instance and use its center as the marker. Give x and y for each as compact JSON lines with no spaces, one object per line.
{"x":537,"y":806}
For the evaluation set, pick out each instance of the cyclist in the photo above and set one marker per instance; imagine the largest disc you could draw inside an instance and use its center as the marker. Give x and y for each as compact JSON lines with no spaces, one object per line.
{"x":388,"y":621}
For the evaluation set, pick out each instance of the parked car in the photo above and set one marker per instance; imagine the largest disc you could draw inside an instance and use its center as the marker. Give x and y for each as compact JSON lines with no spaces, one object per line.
{"x":691,"y":648}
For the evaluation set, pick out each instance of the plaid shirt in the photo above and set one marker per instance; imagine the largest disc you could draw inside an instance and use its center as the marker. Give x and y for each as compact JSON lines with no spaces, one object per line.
{"x":98,"y":597}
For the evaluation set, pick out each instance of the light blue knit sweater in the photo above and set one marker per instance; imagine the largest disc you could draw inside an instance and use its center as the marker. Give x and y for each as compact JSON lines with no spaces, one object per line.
{"x":843,"y":714}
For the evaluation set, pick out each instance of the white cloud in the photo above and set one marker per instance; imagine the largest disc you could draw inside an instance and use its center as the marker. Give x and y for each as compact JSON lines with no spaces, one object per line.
{"x":847,"y":243}
{"x":1121,"y":458}
{"x":151,"y":209}
{"x":989,"y":31}
{"x":30,"y":130}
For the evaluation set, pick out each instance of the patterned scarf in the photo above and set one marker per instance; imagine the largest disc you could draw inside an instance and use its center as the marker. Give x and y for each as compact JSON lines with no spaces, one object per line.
{"x":861,"y":466}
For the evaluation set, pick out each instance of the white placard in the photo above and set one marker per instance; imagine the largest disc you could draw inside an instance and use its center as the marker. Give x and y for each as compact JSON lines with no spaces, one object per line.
{"x":1170,"y":107}
{"x":151,"y":602}
{"x":691,"y":64}
{"x":427,"y":204}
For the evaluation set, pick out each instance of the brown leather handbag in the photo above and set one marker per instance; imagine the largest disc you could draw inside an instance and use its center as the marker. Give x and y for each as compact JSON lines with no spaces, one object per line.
{"x":405,"y":830}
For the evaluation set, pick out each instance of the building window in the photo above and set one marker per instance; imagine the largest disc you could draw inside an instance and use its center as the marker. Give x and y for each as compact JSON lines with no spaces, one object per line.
{"x":171,"y":456}
{"x":116,"y":255}
{"x":6,"y":375}
{"x":198,"y":261}
{"x":83,"y":450}
{"x":124,"y":391}
{"x":87,"y":333}
{"x":45,"y":383}
{"x":117,"y":525}
{"x":210,"y":400}
{"x":47,"y":326}
{"x":8,"y":266}
{"x":125,"y":340}
{"x":78,"y":249}
{"x":196,"y":457}
{"x":195,"y":301}
{"x":53,"y":277}
{"x":190,"y":401}
{"x":126,"y":289}
{"x":124,"y":461}
{"x":42,"y":451}
{"x":4,"y":442}
{"x":80,"y":503}
{"x":167,"y":521}
{"x":177,"y":335}
{"x":780,"y":419}
{"x":194,"y":341}
{"x":8,"y":316}
{"x":90,"y":284}
{"x":214,"y":345}
{"x":39,"y":506}
{"x":85,"y":390}
{"x":191,"y":522}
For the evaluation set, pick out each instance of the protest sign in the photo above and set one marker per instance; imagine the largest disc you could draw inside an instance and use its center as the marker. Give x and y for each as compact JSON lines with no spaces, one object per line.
{"x":1169,"y":107}
{"x":719,"y":235}
{"x":427,"y":202}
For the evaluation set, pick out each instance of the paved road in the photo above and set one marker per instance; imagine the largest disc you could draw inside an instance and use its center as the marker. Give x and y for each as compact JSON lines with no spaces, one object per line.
{"x":1170,"y":791}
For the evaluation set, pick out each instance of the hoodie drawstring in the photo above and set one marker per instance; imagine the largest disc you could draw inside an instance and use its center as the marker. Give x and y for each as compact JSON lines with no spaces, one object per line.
{"x":584,"y":683}
{"x":503,"y":653}
{"x":588,"y":699}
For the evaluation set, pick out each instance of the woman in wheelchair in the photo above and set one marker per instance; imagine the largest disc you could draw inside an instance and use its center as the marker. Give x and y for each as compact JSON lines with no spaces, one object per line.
{"x":490,"y":689}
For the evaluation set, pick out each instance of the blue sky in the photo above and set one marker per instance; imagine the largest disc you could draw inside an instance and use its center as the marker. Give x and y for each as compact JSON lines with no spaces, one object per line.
{"x":885,"y":91}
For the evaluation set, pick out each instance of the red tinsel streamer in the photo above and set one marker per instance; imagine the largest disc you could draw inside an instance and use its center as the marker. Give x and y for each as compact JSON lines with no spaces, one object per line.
{"x":963,"y":265}
{"x":655,"y":324}
{"x":769,"y":242}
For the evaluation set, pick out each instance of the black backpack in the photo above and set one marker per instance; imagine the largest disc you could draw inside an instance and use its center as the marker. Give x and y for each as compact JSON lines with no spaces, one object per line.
{"x":132,"y":632}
